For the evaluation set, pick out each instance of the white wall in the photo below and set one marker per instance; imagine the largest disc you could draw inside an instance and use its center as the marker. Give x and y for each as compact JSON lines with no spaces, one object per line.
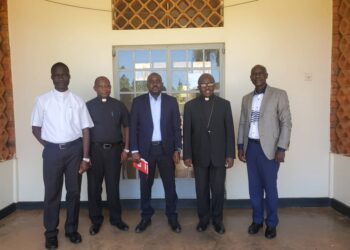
{"x":290,"y":37}
{"x":341,"y":178}
{"x":7,"y":183}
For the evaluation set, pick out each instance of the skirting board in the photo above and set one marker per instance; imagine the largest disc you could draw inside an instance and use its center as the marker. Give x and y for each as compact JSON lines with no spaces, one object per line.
{"x":340,"y":207}
{"x":191,"y":203}
{"x":7,"y":210}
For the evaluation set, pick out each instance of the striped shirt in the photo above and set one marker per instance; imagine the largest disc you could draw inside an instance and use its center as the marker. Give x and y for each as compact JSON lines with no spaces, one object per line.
{"x":255,"y":115}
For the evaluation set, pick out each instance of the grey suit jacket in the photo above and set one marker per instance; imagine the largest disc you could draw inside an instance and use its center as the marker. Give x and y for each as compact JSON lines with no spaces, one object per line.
{"x":275,"y":123}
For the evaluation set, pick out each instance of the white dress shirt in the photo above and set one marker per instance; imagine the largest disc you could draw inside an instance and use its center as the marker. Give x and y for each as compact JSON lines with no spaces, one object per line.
{"x":156,"y":111}
{"x":61,"y":116}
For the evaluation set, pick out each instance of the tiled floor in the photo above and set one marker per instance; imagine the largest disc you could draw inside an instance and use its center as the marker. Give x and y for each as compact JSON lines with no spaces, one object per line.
{"x":299,"y":228}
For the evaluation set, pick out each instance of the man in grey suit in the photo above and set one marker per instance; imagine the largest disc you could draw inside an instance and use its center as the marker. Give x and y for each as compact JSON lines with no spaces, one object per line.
{"x":263,"y":137}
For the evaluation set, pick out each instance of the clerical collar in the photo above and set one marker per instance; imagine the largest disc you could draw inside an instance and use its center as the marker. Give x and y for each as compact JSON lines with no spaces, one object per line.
{"x":204,"y":98}
{"x":262,"y":91}
{"x":103,"y":99}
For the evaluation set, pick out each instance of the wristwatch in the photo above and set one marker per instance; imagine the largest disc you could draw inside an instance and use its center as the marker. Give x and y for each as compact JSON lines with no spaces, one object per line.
{"x":87,"y":160}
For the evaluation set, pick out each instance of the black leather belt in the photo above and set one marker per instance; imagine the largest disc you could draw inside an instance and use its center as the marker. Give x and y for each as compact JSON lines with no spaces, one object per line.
{"x":254,"y":140}
{"x":63,"y":146}
{"x":156,"y":143}
{"x":105,"y":145}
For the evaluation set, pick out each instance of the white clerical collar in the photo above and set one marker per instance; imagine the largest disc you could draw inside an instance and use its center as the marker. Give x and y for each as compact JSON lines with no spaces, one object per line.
{"x":103,"y":99}
{"x":208,"y":98}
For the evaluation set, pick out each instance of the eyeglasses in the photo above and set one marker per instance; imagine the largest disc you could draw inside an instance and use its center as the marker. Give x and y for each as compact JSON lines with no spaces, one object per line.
{"x":204,"y":85}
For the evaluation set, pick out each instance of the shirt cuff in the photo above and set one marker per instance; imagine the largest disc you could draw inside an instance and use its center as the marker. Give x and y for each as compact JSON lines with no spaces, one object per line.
{"x":281,"y":149}
{"x":240,"y":146}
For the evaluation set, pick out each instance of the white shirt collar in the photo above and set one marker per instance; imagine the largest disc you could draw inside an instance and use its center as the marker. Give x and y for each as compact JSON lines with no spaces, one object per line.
{"x":60,"y":94}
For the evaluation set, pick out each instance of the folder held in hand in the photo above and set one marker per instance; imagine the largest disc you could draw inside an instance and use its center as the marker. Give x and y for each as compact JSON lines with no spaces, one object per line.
{"x":141,"y":166}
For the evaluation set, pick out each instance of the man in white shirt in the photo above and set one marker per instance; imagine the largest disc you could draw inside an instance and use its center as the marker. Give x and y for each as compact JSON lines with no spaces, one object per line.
{"x":61,"y":122}
{"x":263,"y":137}
{"x":155,"y":135}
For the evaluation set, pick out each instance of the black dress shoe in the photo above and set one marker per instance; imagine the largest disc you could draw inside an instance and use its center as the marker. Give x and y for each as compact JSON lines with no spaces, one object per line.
{"x":201,"y":226}
{"x":51,"y":242}
{"x":219,"y":227}
{"x":74,"y":237}
{"x":254,"y":228}
{"x":94,"y":229}
{"x":121,"y":225}
{"x":174,"y":225}
{"x":144,"y":223}
{"x":270,"y":232}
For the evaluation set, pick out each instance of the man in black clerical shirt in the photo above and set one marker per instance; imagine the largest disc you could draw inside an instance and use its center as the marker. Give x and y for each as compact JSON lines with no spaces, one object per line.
{"x":111,"y":129}
{"x":208,"y":144}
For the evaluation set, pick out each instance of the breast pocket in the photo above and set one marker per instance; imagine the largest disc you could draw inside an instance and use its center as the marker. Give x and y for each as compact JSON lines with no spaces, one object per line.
{"x":72,"y":114}
{"x":69,"y":114}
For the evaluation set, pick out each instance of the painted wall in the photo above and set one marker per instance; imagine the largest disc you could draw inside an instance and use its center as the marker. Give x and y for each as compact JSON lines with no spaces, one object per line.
{"x":291,"y":38}
{"x":341,"y":178}
{"x":7,"y":183}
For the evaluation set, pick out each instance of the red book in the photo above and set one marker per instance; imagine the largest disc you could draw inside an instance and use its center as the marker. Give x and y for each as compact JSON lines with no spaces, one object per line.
{"x":141,"y":166}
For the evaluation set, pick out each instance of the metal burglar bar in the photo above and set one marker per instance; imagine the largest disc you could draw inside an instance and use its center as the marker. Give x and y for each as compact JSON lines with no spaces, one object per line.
{"x":163,"y":14}
{"x":7,"y":122}
{"x":340,"y":98}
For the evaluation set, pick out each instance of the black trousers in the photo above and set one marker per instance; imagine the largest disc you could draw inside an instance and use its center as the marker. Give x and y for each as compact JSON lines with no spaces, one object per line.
{"x":166,"y":169}
{"x":61,"y":160}
{"x":105,"y":165}
{"x":208,"y":180}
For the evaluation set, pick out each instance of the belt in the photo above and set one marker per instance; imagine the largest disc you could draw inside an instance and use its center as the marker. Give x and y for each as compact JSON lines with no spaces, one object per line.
{"x":254,"y":140}
{"x":63,"y":146}
{"x":105,"y":145}
{"x":156,"y":143}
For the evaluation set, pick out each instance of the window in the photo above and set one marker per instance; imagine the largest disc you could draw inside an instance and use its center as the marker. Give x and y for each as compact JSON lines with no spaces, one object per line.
{"x":179,"y":67}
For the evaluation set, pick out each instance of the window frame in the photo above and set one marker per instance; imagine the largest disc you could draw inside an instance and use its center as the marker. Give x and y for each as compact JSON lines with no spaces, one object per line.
{"x":169,"y":70}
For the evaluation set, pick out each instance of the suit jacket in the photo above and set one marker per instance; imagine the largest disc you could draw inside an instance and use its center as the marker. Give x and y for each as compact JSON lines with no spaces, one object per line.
{"x":275,"y":121}
{"x":141,"y":125}
{"x":203,"y":147}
